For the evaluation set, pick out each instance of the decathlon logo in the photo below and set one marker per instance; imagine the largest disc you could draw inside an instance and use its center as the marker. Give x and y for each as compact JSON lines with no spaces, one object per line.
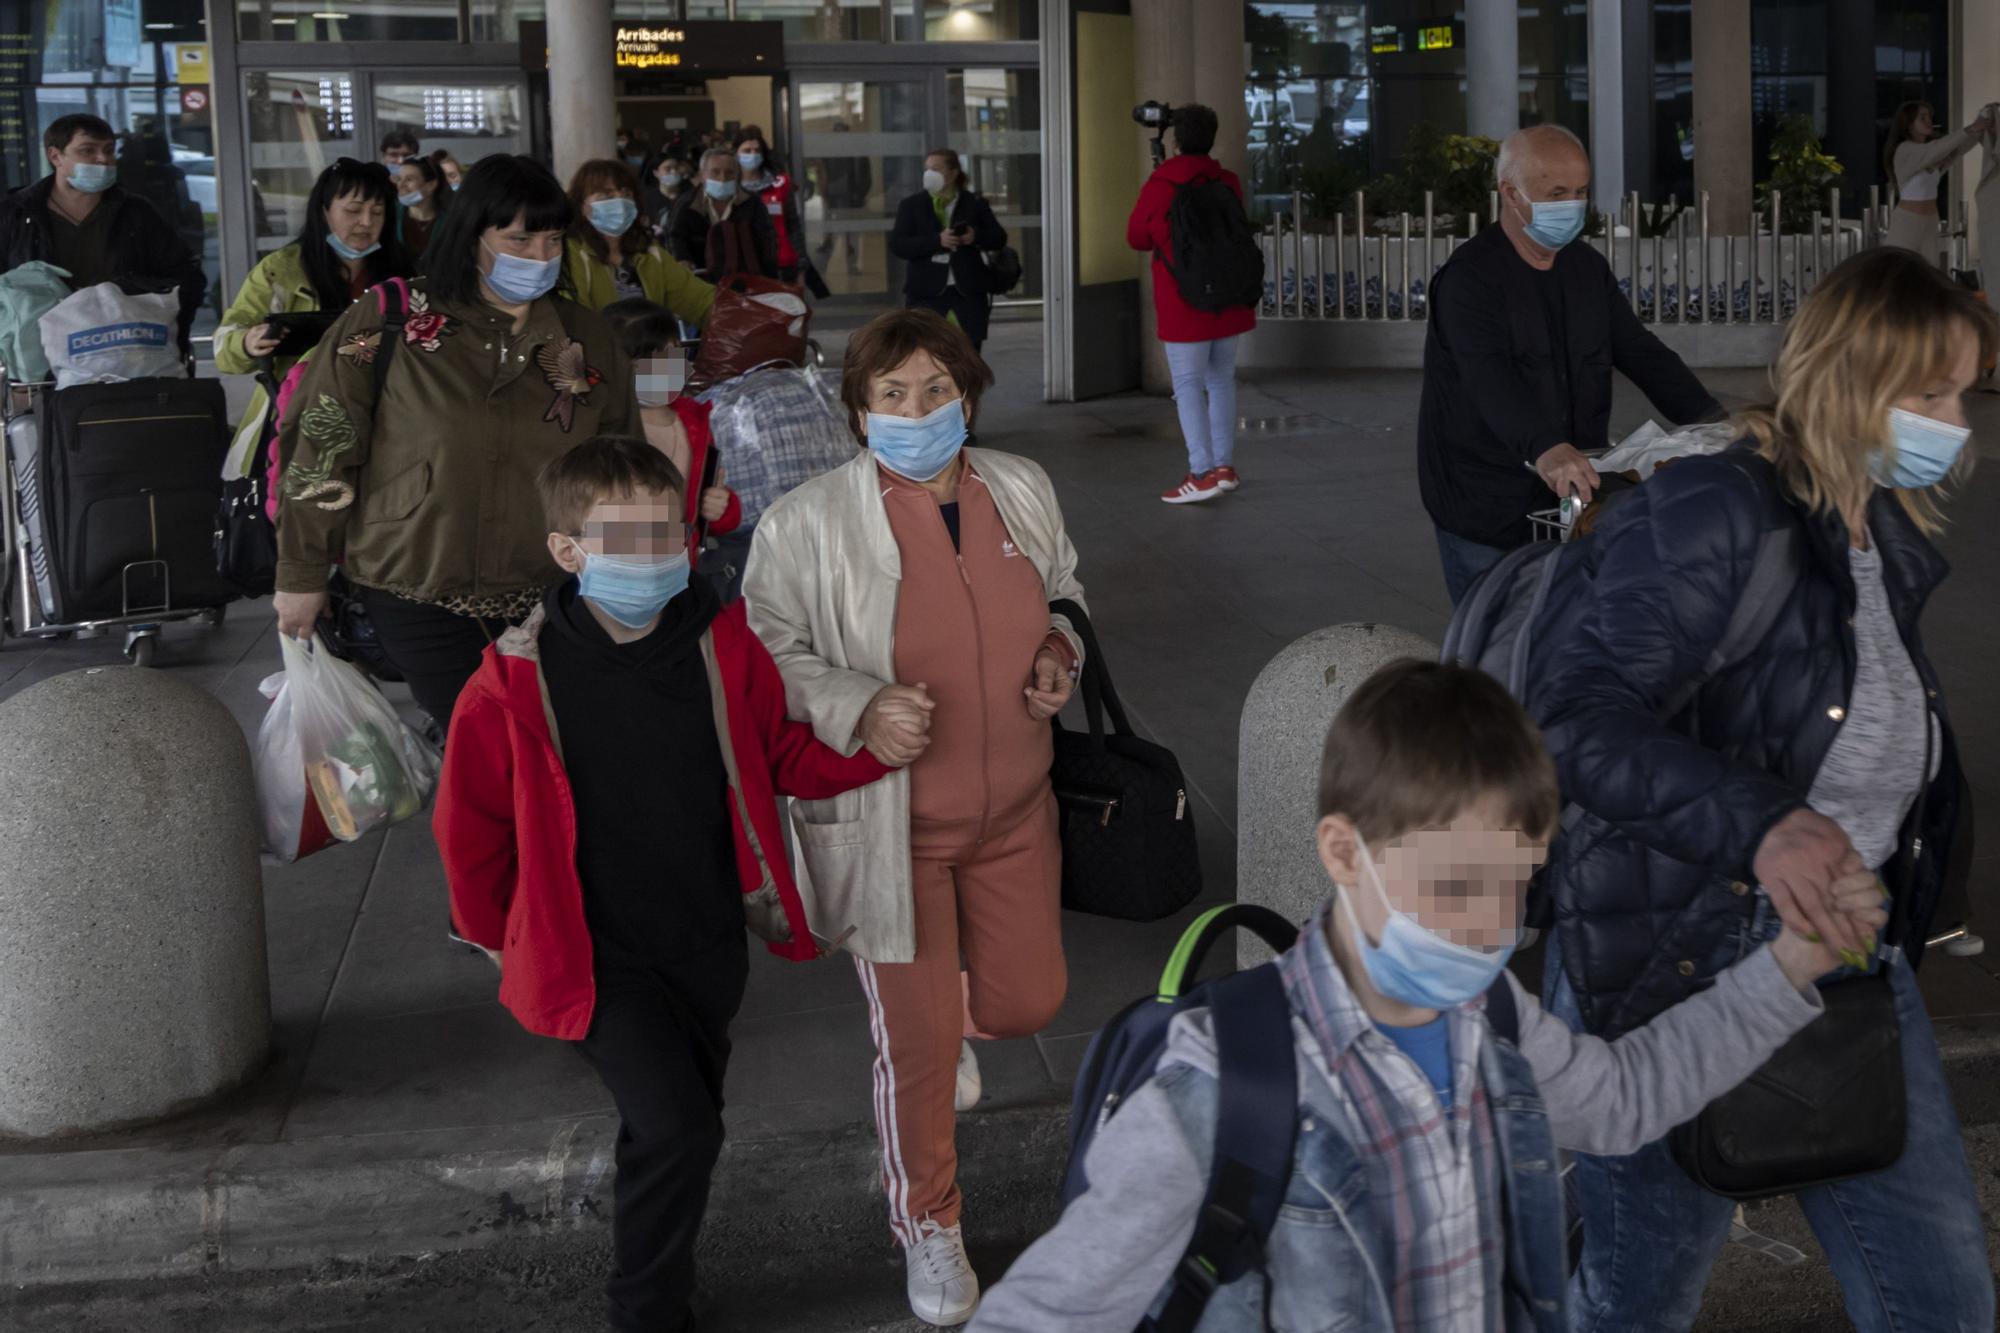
{"x":109,"y":336}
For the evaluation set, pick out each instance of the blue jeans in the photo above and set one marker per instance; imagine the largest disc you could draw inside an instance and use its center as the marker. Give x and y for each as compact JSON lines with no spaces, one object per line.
{"x":1205,"y":396}
{"x":1906,"y":1244}
{"x":1464,"y":560}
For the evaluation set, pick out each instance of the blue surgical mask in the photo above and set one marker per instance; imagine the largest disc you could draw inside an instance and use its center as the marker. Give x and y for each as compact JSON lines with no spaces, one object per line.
{"x":1555,"y":223}
{"x":750,"y":162}
{"x":456,"y":186}
{"x":670,"y":180}
{"x":614,"y":217}
{"x":632,"y":592}
{"x":719,"y":190}
{"x":410,"y":200}
{"x":92,"y":177}
{"x":346,"y":251}
{"x":516,"y":279}
{"x":1416,"y":966}
{"x":1926,"y":451}
{"x":918,"y":449}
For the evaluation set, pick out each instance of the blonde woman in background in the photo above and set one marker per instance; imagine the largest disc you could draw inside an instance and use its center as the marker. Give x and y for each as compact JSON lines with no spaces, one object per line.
{"x":1915,"y":159}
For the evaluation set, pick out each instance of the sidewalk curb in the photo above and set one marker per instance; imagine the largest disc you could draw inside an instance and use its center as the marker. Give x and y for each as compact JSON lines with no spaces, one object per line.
{"x":137,"y":1214}
{"x":107,"y":1215}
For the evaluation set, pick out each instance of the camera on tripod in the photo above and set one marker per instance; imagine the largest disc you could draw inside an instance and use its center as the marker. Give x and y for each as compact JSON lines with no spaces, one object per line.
{"x":1155,"y":116}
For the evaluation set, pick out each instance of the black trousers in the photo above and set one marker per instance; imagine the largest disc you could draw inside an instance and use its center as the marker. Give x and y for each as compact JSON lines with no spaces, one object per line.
{"x":436,"y":650}
{"x":972,"y":311}
{"x":659,"y":1039}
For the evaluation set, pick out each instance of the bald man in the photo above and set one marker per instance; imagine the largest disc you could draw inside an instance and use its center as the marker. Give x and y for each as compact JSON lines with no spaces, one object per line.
{"x":1525,"y":330}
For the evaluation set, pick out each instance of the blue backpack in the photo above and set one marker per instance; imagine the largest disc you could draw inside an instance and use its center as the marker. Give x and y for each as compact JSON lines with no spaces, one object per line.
{"x":1257,"y":1121}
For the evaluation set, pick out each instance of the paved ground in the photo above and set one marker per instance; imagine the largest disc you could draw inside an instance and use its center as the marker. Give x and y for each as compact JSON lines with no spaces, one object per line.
{"x":389,"y":1045}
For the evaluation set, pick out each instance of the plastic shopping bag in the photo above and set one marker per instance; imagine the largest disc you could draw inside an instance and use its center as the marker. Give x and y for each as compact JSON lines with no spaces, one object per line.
{"x":26,"y":294}
{"x":102,"y":335}
{"x":333,"y":761}
{"x":1651,"y":445}
{"x":754,"y":321}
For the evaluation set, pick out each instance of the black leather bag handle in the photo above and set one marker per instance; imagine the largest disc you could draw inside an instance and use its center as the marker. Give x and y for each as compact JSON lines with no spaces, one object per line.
{"x":1100,"y":696}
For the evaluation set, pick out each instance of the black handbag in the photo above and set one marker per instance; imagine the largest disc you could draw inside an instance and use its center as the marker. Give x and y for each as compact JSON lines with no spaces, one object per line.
{"x":1828,"y":1105}
{"x":1128,"y":842}
{"x":246,"y":541}
{"x":1003,"y":270}
{"x":1831,"y":1102}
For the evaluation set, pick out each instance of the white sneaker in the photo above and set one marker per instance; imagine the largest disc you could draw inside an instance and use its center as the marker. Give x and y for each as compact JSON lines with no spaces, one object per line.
{"x":943,"y":1290}
{"x":969,"y":1086}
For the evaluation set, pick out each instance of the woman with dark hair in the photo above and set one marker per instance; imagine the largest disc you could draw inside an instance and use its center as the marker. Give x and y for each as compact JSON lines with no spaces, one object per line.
{"x":1822,"y":755}
{"x":942,"y":233}
{"x":421,"y":195}
{"x":726,"y":232}
{"x":424,"y":483}
{"x":905,"y":597}
{"x":611,"y":252}
{"x":341,"y":251}
{"x":1914,"y":159}
{"x":778,"y":193}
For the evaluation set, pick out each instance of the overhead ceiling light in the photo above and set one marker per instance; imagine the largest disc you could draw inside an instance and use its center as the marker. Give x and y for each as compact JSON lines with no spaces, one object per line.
{"x":331,"y":16}
{"x":161,"y":27}
{"x":288,"y":22}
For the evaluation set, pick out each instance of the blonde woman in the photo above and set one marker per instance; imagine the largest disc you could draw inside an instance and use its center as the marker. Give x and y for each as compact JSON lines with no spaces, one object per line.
{"x":1823,"y":757}
{"x":1916,"y":158}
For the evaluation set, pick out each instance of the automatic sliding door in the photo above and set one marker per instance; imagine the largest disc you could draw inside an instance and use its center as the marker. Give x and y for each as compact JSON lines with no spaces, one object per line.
{"x":861,"y":152}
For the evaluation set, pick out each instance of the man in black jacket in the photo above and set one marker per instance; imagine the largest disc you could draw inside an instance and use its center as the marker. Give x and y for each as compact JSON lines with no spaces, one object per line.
{"x":78,"y":219}
{"x":1525,"y":330}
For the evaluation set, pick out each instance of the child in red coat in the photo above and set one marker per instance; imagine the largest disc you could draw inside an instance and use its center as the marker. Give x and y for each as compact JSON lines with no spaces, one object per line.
{"x":609,"y":825}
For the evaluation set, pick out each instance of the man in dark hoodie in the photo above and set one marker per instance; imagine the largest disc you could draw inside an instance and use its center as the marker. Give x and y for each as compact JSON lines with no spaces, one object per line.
{"x":80,"y":220}
{"x":609,"y":825}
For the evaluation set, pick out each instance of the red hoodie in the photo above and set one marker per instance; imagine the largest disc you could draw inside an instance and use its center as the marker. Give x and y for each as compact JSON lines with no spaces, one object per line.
{"x":506,"y":822}
{"x":1147,"y":230}
{"x":694,"y":417}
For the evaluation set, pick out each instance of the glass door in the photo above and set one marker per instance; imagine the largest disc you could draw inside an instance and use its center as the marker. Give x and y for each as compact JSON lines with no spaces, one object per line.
{"x":995,"y":119}
{"x":298,"y":124}
{"x":861,"y":153}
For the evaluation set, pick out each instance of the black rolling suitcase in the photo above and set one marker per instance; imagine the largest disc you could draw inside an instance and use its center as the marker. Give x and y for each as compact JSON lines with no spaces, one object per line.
{"x":125,"y":489}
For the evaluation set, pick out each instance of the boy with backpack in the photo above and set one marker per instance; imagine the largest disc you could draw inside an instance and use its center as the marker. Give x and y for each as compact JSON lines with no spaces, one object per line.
{"x":609,"y":825}
{"x":1208,"y":278}
{"x":1417,"y":1171}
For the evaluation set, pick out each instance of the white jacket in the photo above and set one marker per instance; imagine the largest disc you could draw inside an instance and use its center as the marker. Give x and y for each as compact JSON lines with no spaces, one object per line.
{"x":822,"y":585}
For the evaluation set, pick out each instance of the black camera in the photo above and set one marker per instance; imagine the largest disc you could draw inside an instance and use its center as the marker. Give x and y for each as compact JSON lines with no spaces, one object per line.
{"x":1155,"y":116}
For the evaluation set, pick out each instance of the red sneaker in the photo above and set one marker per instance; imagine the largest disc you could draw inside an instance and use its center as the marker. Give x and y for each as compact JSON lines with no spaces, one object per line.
{"x":1226,"y":478}
{"x":1193,"y":490}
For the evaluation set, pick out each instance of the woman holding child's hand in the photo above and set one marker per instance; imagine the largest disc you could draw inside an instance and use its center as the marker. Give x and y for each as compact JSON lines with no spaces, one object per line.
{"x":926,"y":562}
{"x":1811,"y":784}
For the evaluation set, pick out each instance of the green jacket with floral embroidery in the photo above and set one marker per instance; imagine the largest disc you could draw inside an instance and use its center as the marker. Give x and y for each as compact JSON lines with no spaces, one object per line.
{"x":431,"y":492}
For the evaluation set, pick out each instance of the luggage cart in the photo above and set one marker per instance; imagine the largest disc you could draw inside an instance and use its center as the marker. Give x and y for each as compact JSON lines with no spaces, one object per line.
{"x":142,"y":614}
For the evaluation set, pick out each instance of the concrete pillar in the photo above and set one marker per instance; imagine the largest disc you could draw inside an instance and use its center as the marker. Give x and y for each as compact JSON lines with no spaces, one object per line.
{"x":582,"y":108}
{"x":1722,"y":164}
{"x":1492,"y":67}
{"x":1607,"y":103}
{"x":1975,"y":81}
{"x":1283,"y":730}
{"x":133,"y":981}
{"x":1164,"y":33}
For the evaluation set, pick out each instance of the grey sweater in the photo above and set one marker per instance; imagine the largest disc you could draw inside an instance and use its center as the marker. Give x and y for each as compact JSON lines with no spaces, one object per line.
{"x":1115,"y":1246}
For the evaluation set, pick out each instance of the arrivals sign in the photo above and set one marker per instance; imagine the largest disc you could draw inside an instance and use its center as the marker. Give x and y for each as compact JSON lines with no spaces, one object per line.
{"x":696,"y":49}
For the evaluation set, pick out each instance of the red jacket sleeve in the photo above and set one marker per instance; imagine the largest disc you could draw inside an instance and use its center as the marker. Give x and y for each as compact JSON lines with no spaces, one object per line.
{"x":474,"y":821}
{"x":801,"y":764}
{"x":732,"y":516}
{"x":1139,"y":227}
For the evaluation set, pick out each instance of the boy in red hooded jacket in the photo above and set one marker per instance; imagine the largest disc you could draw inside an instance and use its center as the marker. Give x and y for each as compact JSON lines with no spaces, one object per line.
{"x":609,"y":825}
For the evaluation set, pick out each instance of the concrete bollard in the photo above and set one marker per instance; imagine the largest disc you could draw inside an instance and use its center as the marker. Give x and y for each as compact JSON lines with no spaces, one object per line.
{"x":132,"y":973}
{"x":1284,"y":727}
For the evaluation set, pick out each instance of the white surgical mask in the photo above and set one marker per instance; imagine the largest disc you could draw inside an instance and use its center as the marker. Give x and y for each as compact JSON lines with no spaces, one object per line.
{"x":934,"y":181}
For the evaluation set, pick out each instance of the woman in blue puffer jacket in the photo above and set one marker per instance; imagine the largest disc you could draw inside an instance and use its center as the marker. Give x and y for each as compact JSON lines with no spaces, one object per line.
{"x":1824,"y":754}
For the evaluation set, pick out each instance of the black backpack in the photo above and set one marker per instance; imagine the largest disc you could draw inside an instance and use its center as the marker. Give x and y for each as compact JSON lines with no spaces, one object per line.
{"x":1257,"y":1115}
{"x":1217,"y":262}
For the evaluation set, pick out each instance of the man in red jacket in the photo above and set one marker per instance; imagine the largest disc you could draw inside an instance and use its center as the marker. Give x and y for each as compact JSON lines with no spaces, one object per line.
{"x":1201,"y":346}
{"x":609,"y":825}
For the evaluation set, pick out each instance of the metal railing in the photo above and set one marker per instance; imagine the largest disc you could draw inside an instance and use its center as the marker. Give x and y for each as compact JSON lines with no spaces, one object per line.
{"x":1669,"y":261}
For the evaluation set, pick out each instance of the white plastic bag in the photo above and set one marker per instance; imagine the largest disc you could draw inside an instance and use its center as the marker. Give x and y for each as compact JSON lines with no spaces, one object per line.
{"x":333,"y":761}
{"x":101,"y":335}
{"x":1650,"y":445}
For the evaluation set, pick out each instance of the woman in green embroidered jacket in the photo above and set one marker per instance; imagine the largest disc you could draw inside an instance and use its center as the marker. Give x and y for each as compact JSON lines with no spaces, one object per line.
{"x":428,"y":496}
